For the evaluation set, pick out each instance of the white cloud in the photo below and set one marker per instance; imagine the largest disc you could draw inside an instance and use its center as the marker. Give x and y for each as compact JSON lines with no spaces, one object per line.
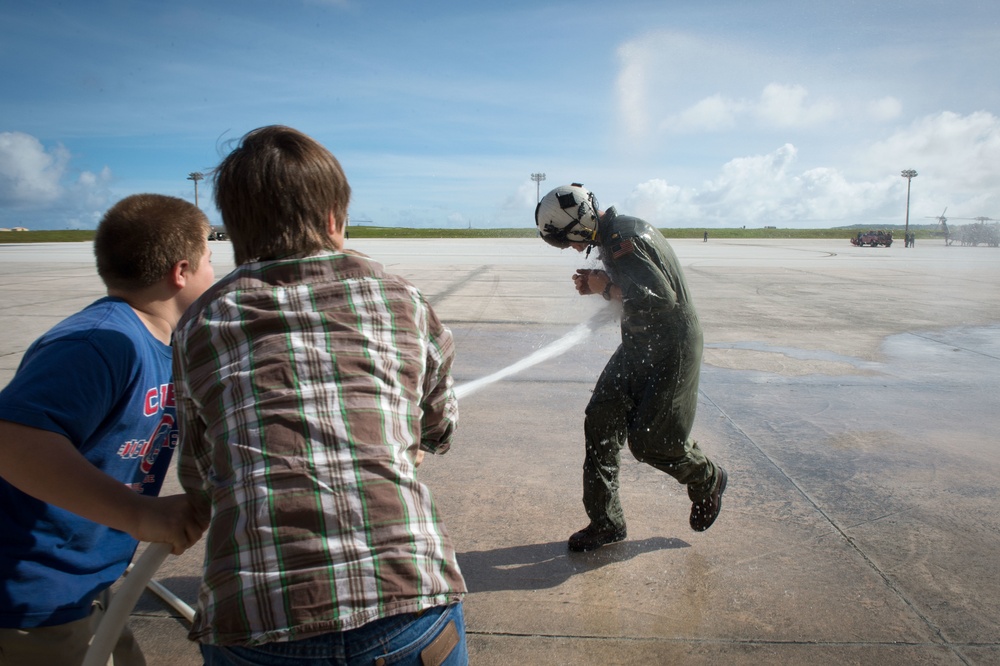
{"x":631,"y":86}
{"x":962,"y":148}
{"x":885,"y":109}
{"x":954,"y":155}
{"x":671,"y":84}
{"x":705,"y":111}
{"x":37,"y":188}
{"x":760,"y":190}
{"x":30,"y":175}
{"x":779,"y":106}
{"x":661,"y":203}
{"x":712,"y":114}
{"x":525,"y":196}
{"x":787,"y":106}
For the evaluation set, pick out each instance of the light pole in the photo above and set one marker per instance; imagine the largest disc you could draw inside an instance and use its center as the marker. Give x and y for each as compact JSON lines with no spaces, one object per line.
{"x":908,"y":174}
{"x":196,"y":176}
{"x":538,"y":178}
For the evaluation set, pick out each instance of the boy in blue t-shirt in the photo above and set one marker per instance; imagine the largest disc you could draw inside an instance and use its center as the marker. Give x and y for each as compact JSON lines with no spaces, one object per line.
{"x":87,"y":430}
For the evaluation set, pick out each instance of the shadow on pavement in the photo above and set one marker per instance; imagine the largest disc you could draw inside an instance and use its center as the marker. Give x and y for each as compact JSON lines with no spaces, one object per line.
{"x":544,"y":565}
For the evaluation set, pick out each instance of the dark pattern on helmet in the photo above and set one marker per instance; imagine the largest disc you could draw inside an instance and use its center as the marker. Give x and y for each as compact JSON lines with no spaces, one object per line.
{"x":575,"y":211}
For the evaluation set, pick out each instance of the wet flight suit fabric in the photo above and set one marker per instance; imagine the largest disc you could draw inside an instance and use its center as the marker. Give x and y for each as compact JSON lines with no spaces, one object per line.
{"x":648,"y":392}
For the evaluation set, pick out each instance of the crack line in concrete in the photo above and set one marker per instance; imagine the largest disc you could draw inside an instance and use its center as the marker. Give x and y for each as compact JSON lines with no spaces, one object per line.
{"x":728,"y":641}
{"x":848,"y":539}
{"x":456,"y":284}
{"x":954,"y":346}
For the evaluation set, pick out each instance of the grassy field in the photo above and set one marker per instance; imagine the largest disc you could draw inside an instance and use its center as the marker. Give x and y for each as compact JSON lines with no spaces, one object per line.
{"x":67,"y":236}
{"x":70,"y":236}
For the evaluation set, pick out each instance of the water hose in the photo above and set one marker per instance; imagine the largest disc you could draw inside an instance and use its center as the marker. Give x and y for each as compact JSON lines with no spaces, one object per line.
{"x":141,"y":573}
{"x":122,"y":603}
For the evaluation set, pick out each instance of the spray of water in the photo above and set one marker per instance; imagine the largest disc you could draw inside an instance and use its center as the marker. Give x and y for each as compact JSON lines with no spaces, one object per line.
{"x":577,"y":335}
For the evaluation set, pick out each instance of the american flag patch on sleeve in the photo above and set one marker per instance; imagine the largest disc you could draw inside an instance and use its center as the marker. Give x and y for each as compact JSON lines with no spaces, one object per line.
{"x":625,"y":247}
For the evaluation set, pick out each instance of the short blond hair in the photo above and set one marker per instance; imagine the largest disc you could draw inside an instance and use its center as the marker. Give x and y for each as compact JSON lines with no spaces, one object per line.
{"x":276,"y":190}
{"x":142,"y":237}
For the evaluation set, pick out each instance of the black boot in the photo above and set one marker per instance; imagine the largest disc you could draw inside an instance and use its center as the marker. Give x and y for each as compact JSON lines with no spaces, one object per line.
{"x":706,"y":510}
{"x":592,"y":538}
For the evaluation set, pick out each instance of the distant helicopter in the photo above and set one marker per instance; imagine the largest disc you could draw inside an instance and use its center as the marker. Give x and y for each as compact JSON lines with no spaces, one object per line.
{"x":943,"y":221}
{"x":974,"y":234}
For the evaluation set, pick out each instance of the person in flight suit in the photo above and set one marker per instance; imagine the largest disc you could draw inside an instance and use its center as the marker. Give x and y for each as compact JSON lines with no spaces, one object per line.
{"x":648,"y":391}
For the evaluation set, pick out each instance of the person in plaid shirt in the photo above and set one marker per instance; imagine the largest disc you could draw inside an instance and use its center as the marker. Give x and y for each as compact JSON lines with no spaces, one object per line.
{"x":309,"y":382}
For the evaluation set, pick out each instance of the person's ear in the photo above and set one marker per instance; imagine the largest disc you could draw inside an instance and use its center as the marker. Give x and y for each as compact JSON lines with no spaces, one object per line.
{"x":333,"y":227}
{"x":179,"y":274}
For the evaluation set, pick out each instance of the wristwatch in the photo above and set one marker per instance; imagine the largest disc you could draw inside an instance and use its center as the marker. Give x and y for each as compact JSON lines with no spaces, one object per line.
{"x":607,"y":290}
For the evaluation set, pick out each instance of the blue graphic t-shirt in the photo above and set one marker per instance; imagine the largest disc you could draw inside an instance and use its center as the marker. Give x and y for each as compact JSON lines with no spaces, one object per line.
{"x":102,"y":380}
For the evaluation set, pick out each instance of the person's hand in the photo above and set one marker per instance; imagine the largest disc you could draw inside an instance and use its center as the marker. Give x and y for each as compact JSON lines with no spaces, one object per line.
{"x":418,"y":458}
{"x":173,"y":519}
{"x":590,"y":281}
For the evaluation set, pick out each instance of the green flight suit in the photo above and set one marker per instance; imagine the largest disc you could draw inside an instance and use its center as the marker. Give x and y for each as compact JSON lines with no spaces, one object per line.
{"x":648,"y":392}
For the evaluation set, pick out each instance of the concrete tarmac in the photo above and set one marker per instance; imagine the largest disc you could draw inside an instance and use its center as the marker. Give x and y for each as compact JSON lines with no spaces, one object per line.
{"x":851,"y":393}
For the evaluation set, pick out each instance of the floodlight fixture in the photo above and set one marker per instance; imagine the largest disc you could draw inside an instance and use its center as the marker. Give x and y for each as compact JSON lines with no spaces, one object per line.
{"x":196,"y":176}
{"x":538,"y":178}
{"x":908,"y":174}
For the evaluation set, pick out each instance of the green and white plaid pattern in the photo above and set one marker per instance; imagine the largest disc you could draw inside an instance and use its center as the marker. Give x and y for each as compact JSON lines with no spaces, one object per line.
{"x":305,"y":387}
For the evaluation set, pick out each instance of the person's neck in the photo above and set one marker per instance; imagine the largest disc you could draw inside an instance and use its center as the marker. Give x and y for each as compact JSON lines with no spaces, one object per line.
{"x":157,"y":315}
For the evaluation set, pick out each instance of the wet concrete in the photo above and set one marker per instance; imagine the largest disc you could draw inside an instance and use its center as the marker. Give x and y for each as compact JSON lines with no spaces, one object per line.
{"x":850,"y":392}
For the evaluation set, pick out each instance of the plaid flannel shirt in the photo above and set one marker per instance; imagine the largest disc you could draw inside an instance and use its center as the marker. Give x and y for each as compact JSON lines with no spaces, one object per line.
{"x":305,"y":387}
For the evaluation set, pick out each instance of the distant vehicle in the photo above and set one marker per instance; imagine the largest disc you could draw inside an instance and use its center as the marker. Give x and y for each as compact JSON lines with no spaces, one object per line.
{"x":217,"y":234}
{"x":872,"y":238}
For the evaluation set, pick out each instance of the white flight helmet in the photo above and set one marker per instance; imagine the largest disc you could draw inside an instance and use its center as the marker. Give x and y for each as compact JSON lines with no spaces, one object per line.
{"x":567,"y":214}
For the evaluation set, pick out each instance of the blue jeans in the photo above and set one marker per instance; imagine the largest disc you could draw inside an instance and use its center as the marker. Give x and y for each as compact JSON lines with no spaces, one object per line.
{"x":397,"y":640}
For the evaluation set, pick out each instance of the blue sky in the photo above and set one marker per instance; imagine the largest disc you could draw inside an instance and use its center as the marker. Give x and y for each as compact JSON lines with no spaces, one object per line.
{"x":687,"y":113}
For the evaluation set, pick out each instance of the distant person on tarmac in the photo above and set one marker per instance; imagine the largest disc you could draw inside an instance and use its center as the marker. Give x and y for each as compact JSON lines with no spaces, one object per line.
{"x":648,"y":392}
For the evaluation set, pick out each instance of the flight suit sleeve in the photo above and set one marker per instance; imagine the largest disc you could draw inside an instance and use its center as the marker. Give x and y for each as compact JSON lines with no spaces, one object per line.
{"x":645,"y":286}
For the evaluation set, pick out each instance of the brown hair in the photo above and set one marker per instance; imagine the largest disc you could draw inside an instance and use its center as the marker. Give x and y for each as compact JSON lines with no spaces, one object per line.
{"x":276,"y":191}
{"x":143,"y":236}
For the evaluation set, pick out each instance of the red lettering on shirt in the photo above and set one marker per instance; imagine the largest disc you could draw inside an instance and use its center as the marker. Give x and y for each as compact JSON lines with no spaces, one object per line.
{"x":152,"y":406}
{"x":167,"y":396}
{"x":159,"y":398}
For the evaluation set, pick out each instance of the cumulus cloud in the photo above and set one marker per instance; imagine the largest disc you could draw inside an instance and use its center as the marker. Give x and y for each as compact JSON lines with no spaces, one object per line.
{"x":827,"y":143}
{"x":661,"y":203}
{"x":954,"y":155}
{"x":788,"y":106}
{"x":670,"y":83}
{"x":38,"y":188}
{"x":760,"y":190}
{"x":961,"y":149}
{"x":712,"y":114}
{"x":779,"y":106}
{"x":29,"y":174}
